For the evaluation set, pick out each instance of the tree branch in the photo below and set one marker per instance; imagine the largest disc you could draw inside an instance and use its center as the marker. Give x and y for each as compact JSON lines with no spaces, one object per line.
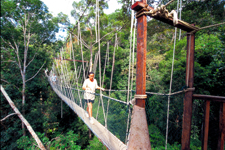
{"x":8,"y":43}
{"x":11,"y":84}
{"x":8,"y":116}
{"x":30,"y":129}
{"x":31,"y":60}
{"x":36,"y":73}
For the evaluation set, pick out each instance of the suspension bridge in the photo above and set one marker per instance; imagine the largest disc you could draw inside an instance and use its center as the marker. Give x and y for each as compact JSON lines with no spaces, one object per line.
{"x":134,"y":133}
{"x":129,"y":130}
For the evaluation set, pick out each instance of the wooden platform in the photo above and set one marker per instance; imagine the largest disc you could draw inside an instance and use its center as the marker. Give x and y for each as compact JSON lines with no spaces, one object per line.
{"x":108,"y":139}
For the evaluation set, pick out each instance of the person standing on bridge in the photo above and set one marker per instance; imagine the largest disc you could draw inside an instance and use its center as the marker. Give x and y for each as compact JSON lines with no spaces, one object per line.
{"x":89,"y":86}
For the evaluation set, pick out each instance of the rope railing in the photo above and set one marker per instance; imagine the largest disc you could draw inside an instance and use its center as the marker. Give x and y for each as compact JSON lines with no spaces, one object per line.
{"x":68,"y":91}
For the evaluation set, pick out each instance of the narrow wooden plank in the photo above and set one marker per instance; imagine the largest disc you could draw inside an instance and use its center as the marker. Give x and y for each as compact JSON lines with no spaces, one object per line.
{"x":108,"y":139}
{"x":206,"y":125}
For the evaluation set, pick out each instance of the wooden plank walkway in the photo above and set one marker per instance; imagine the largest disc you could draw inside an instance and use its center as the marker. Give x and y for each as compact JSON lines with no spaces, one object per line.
{"x":108,"y":139}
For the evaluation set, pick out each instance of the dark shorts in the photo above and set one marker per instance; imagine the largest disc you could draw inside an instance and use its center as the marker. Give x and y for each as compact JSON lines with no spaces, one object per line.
{"x":89,"y":101}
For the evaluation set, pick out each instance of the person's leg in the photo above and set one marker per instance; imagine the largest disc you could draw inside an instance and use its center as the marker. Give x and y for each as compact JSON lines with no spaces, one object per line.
{"x":90,"y":109}
{"x":87,"y":108}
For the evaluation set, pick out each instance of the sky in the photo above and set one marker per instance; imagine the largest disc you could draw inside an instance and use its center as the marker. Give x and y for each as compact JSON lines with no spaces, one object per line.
{"x":65,"y":6}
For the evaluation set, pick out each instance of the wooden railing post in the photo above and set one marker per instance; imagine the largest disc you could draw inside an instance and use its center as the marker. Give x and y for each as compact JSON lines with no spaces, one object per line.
{"x":221,"y":127}
{"x":206,"y":125}
{"x":187,"y":114}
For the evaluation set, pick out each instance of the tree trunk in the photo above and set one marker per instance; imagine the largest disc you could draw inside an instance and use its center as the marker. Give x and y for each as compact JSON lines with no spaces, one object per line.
{"x":30,"y":129}
{"x":23,"y":103}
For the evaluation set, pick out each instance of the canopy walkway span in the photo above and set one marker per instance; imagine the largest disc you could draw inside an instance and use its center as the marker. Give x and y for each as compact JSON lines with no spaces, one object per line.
{"x":108,"y":139}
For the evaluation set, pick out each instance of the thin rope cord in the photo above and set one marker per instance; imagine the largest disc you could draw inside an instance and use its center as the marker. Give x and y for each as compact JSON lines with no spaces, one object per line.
{"x":63,"y":90}
{"x":171,"y":81}
{"x":131,"y":32}
{"x":99,"y":49}
{"x":96,"y":20}
{"x":133,"y":55}
{"x":63,"y":77}
{"x":128,"y":82}
{"x":68,"y":94}
{"x":76,"y":78}
{"x":95,"y":63}
{"x":78,"y":34}
{"x":128,"y":116}
{"x":111,"y":74}
{"x":67,"y":89}
{"x":82,"y":58}
{"x":103,"y":80}
{"x":110,"y":87}
{"x":180,"y":17}
{"x":98,"y":109}
{"x":105,"y":63}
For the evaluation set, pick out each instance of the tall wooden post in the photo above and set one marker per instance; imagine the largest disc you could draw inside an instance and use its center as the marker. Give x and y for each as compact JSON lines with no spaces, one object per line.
{"x":139,"y":135}
{"x":187,"y":114}
{"x":206,"y":125}
{"x":221,"y":138}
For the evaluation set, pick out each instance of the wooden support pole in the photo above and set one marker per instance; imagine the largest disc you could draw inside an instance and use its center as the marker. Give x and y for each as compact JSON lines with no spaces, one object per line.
{"x":206,"y":125}
{"x":221,"y":138}
{"x":139,"y":135}
{"x":187,"y":114}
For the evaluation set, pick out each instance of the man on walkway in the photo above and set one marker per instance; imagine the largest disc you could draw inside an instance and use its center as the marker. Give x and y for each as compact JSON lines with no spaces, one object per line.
{"x":89,"y":86}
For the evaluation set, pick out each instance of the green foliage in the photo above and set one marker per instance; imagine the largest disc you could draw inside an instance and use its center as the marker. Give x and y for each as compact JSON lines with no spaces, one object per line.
{"x":67,"y":141}
{"x":156,"y":138}
{"x":95,"y":144}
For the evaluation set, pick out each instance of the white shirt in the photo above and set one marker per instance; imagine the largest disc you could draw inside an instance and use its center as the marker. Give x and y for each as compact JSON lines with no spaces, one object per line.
{"x":54,"y":78}
{"x":90,"y":88}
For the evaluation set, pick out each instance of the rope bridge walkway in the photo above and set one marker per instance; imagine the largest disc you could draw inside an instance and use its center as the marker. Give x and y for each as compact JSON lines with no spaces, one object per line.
{"x":104,"y":133}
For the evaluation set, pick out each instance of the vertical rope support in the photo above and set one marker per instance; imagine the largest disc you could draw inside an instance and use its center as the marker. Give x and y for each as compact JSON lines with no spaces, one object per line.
{"x":131,"y":31}
{"x":78,"y":32}
{"x":128,"y":90}
{"x":171,"y":81}
{"x":66,"y":81}
{"x":103,"y":80}
{"x":107,"y":50}
{"x":111,"y":74}
{"x":99,"y":49}
{"x":180,"y":17}
{"x":61,"y":109}
{"x":76,"y":78}
{"x":96,"y":20}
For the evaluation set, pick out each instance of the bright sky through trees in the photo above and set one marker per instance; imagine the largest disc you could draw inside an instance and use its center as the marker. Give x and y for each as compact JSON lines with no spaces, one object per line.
{"x":65,"y":6}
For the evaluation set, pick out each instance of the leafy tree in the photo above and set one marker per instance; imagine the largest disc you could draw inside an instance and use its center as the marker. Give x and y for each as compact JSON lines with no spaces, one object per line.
{"x":27,"y":21}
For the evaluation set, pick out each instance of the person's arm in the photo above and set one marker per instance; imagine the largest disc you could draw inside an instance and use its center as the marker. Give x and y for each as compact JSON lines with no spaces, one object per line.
{"x":84,"y":87}
{"x":99,"y":88}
